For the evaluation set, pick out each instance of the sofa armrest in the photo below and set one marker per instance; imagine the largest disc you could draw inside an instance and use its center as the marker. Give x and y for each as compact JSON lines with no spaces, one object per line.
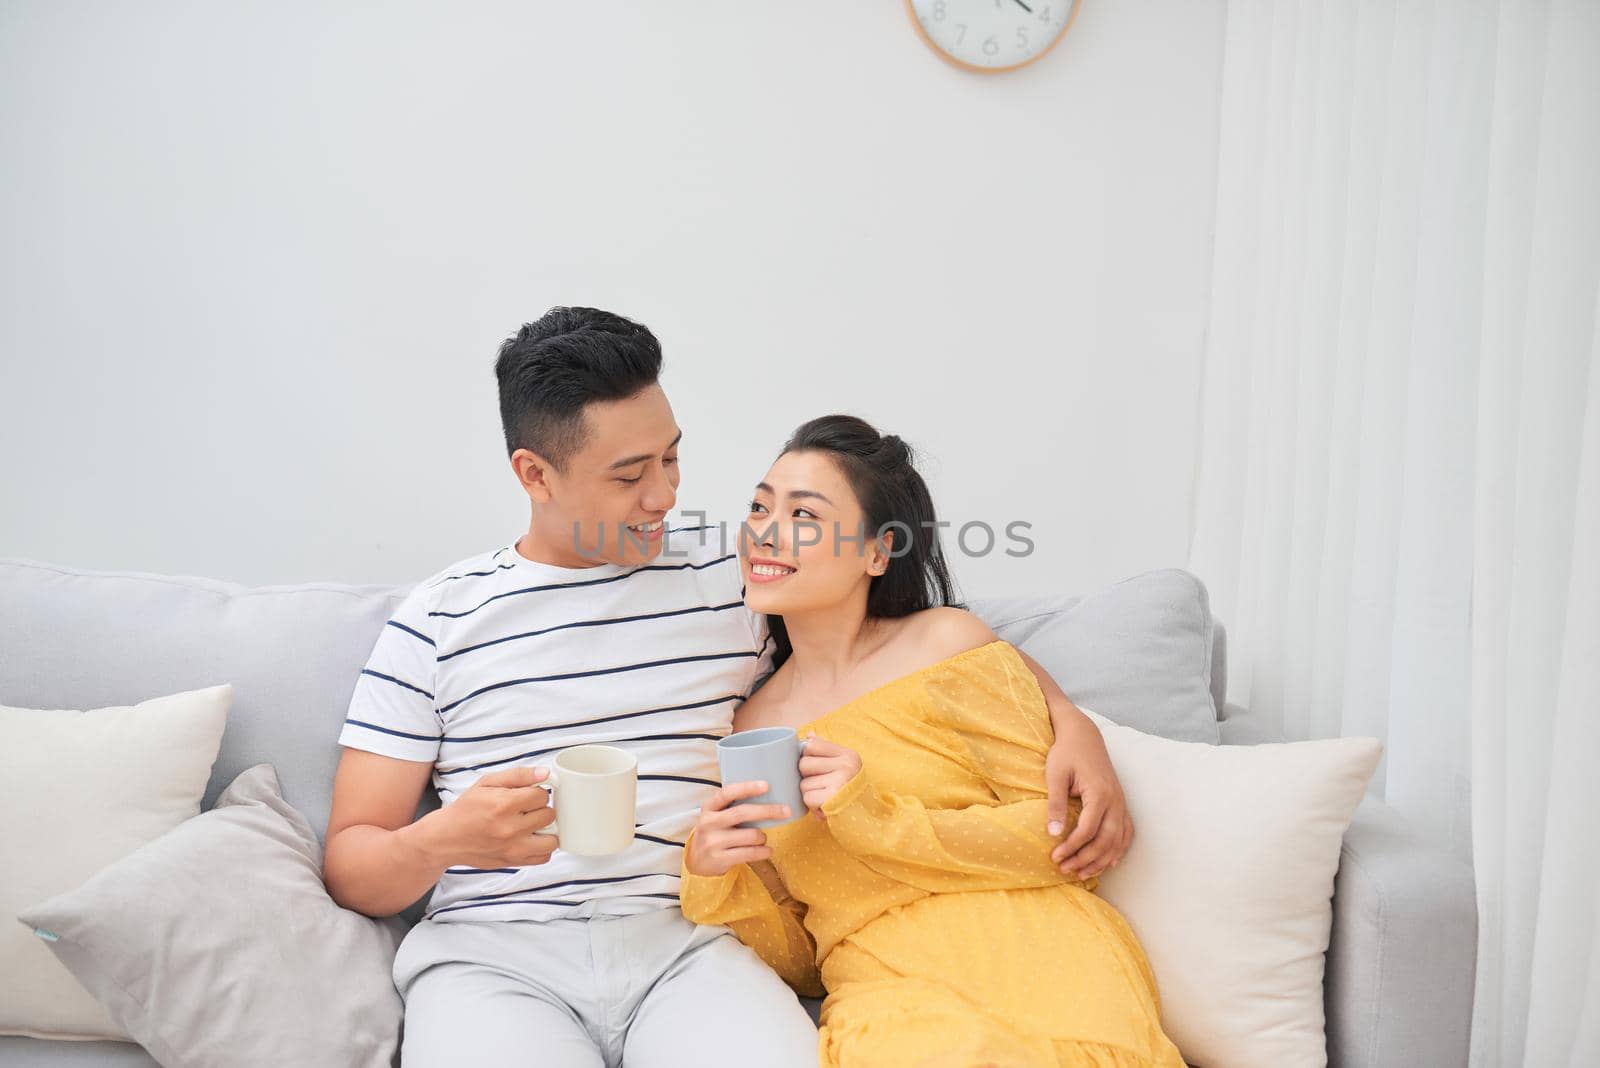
{"x":1403,"y":955}
{"x":1401,"y":960}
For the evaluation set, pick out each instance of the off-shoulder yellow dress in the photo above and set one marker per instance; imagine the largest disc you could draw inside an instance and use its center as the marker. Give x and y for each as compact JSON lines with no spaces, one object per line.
{"x":926,"y":906}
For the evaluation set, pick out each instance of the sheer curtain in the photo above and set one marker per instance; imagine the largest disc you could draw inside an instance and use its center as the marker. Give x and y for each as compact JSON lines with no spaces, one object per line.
{"x":1397,"y":485}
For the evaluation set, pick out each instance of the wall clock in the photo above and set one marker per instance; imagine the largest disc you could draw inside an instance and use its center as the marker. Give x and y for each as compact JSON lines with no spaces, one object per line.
{"x":991,"y":36}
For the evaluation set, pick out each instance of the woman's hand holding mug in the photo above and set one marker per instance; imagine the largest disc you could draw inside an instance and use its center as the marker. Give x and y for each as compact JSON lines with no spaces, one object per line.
{"x":824,"y":769}
{"x":718,"y":843}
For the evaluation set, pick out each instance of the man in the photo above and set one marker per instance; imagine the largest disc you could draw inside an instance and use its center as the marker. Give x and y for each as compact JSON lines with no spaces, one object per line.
{"x":583,"y":630}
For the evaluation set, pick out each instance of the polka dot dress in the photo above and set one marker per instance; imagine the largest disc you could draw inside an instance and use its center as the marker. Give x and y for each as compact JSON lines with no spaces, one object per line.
{"x":926,"y":906}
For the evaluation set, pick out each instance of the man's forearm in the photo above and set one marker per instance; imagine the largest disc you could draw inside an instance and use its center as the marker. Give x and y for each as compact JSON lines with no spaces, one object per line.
{"x":1078,"y":729}
{"x":1066,"y":718}
{"x":378,"y":871}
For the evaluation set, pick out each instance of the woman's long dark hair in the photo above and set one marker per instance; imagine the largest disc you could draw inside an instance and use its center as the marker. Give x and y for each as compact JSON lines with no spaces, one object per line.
{"x":893,"y":497}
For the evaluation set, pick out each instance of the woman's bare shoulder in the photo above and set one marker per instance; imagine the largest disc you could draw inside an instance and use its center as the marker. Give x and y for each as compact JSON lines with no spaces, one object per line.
{"x":942,"y":632}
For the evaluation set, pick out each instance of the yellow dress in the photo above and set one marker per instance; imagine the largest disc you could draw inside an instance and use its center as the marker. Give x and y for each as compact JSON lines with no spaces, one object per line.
{"x":926,"y":906}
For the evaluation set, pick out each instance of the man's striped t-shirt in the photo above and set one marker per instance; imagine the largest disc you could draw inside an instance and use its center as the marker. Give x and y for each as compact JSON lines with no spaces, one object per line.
{"x":500,"y":661}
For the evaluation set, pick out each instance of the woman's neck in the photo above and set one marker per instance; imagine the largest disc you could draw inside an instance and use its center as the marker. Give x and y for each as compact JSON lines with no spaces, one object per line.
{"x":828,"y":643}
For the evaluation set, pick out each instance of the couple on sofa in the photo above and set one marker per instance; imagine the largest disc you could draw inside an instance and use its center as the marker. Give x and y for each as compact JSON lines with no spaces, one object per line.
{"x":939,"y":888}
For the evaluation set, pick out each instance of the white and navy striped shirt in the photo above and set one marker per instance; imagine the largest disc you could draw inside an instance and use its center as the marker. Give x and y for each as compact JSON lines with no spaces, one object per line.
{"x":499,"y":660}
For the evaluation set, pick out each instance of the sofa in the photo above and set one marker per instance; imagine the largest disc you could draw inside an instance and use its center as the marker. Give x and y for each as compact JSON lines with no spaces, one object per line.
{"x":1399,"y":967}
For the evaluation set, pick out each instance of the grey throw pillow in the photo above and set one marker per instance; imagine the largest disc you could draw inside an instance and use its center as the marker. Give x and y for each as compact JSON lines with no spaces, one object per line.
{"x":1137,"y":652}
{"x":217,"y":944}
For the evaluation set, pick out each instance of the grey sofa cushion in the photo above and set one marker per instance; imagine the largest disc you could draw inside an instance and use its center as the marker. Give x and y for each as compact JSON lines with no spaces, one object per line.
{"x":1139,"y":652}
{"x":162,"y":937}
{"x":86,"y":639}
{"x":19,"y":1052}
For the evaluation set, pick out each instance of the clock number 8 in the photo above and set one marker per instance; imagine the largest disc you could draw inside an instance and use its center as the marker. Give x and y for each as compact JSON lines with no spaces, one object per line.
{"x":938,"y":10}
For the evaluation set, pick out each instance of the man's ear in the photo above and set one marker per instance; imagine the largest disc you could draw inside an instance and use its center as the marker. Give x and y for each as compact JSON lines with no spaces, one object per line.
{"x":534,"y":472}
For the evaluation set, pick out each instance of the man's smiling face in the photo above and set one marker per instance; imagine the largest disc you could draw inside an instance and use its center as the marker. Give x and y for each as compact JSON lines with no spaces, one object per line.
{"x":601,"y":507}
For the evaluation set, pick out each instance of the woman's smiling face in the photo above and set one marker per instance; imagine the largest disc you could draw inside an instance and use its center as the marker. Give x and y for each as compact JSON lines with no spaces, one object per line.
{"x":803,"y":546}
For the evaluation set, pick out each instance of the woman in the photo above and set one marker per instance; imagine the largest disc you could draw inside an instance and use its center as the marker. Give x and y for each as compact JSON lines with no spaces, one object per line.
{"x":918,"y":891}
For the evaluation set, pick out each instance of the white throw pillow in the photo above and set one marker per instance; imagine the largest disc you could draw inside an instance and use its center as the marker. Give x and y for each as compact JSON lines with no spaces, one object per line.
{"x":79,"y":790}
{"x":1229,"y":885}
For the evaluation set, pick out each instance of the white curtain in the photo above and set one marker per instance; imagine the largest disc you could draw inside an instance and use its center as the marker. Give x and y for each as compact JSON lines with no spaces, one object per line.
{"x":1397,"y":484}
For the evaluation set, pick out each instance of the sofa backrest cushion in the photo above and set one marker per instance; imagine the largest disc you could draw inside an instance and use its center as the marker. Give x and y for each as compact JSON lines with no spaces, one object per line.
{"x":85,"y":639}
{"x":1140,"y":652}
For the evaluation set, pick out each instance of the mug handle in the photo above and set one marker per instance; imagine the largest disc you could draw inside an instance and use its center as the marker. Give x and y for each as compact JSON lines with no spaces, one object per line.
{"x":549,"y":785}
{"x":803,"y":743}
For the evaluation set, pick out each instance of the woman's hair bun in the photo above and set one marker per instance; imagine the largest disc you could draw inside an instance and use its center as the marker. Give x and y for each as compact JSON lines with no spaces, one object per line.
{"x":892,"y":450}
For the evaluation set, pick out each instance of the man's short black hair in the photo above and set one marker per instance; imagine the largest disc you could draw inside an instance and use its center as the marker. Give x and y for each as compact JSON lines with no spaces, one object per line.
{"x":551,"y":368}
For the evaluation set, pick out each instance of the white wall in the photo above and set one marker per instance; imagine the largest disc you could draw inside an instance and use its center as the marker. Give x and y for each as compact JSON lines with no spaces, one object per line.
{"x":258,"y":258}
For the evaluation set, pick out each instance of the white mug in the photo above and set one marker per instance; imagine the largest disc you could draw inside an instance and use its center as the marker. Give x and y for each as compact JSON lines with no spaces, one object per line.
{"x":594,"y":790}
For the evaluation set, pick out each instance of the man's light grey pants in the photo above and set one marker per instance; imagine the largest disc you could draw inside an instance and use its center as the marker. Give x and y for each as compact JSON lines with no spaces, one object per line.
{"x":651,"y":990}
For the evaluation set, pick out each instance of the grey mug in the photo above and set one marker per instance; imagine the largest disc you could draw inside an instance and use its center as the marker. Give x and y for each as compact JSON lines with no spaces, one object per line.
{"x":770,"y":754}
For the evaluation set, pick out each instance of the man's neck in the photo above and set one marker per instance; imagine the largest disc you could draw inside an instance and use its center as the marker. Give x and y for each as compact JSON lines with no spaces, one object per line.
{"x":531,"y":547}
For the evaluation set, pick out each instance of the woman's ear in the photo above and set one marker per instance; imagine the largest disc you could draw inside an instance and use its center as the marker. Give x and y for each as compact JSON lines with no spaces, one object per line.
{"x":881,"y":550}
